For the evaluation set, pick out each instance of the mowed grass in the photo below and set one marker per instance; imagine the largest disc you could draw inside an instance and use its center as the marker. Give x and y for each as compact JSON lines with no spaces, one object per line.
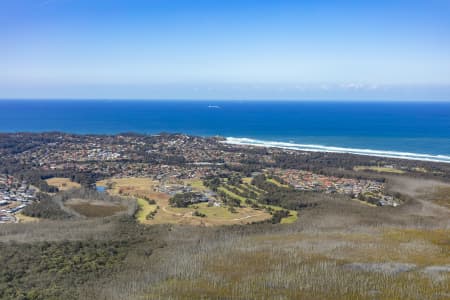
{"x":232,"y":195}
{"x":62,"y":183}
{"x":247,"y":180}
{"x":253,"y":188}
{"x":166,"y":214}
{"x":277,"y":183}
{"x":379,"y":169}
{"x":144,"y":209}
{"x":214,"y":211}
{"x":214,"y":215}
{"x":130,"y":185}
{"x":145,"y":187}
{"x":196,"y":184}
{"x":223,"y":213}
{"x":293,"y":215}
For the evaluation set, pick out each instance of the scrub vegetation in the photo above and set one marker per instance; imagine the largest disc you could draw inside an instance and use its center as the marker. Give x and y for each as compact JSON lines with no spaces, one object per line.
{"x":337,"y":249}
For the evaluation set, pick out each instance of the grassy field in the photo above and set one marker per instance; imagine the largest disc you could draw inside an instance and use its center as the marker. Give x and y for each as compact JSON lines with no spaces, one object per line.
{"x":277,"y":183}
{"x":196,"y":184}
{"x":214,"y":215}
{"x":232,"y":195}
{"x":62,"y":184}
{"x":247,"y":180}
{"x":379,"y":169}
{"x":26,"y":219}
{"x":144,"y":187}
{"x":131,"y":185}
{"x":291,"y":219}
{"x":144,"y":209}
{"x":292,"y":213}
{"x":253,"y":188}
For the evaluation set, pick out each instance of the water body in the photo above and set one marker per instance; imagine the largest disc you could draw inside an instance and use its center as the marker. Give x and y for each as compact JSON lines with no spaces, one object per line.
{"x":100,"y":189}
{"x":415,"y":130}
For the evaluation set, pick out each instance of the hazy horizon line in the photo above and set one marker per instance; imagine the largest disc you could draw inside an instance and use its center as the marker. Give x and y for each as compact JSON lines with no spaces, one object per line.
{"x":225,"y":100}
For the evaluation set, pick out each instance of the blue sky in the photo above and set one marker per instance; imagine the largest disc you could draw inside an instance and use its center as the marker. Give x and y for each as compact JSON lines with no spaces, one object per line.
{"x":225,"y":49}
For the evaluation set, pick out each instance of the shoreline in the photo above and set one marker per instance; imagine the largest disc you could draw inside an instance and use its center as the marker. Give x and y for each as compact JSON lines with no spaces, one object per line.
{"x":333,"y":149}
{"x":243,"y":141}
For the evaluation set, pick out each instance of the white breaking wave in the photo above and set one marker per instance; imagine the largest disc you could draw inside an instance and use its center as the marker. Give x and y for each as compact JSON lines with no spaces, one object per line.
{"x":321,"y":148}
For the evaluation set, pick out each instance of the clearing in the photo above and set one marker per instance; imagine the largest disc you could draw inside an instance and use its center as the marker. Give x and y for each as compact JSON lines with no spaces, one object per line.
{"x":63,"y":184}
{"x":379,"y":169}
{"x":146,"y":188}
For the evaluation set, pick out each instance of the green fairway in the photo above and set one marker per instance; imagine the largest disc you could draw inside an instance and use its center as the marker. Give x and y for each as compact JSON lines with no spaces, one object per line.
{"x":293,"y":216}
{"x":144,"y":209}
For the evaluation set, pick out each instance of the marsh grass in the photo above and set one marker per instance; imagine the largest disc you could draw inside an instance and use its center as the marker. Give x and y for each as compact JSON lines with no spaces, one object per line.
{"x":264,"y":261}
{"x":96,"y":210}
{"x":441,"y":196}
{"x":301,"y":266}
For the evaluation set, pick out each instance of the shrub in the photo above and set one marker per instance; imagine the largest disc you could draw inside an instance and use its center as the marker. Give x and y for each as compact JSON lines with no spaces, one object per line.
{"x":198,"y":214}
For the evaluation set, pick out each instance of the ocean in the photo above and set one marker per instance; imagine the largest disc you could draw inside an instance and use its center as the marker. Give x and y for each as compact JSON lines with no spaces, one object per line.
{"x":413,"y":130}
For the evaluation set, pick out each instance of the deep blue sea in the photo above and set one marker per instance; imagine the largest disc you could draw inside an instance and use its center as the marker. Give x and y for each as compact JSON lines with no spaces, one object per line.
{"x":398,"y":129}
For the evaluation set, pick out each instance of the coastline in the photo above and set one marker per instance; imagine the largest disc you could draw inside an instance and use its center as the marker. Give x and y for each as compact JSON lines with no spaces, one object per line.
{"x":332,"y":149}
{"x":374,"y":125}
{"x":250,"y":142}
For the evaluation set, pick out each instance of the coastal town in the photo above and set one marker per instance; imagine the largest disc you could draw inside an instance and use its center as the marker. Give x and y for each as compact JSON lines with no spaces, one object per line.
{"x":154,"y":155}
{"x":370,"y":190}
{"x":172,"y":160}
{"x":15,"y":195}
